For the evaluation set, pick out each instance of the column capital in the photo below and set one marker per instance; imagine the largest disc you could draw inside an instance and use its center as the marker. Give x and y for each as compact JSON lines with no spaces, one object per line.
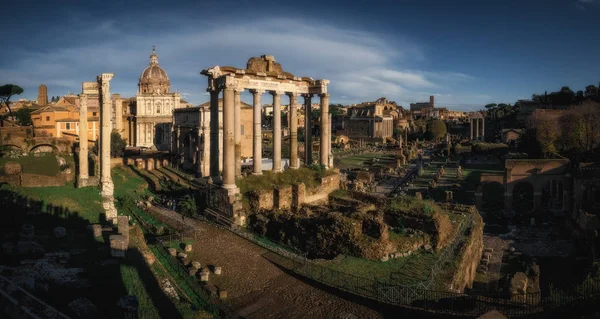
{"x":213,"y":89}
{"x":323,"y":95}
{"x":294,"y":94}
{"x":238,"y":90}
{"x":307,"y":95}
{"x":253,"y":91}
{"x":276,"y":92}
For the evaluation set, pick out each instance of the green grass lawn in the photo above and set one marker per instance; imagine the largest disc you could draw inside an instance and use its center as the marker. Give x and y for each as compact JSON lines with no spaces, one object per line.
{"x":357,"y":161}
{"x":43,"y":165}
{"x":408,"y":270}
{"x":269,"y":179}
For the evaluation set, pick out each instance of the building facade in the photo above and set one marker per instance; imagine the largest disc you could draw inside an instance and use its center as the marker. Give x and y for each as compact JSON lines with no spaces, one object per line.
{"x":371,"y":120}
{"x":152,"y":113}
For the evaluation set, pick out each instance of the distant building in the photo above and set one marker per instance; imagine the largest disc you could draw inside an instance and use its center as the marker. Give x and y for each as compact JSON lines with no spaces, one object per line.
{"x":59,"y":121}
{"x":152,"y":113}
{"x":192,"y":136}
{"x":42,"y":95}
{"x":421,"y":108}
{"x":370,"y":120}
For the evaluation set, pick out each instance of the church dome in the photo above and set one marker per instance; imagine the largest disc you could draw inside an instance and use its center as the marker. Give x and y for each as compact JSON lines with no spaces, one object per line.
{"x":154,"y":79}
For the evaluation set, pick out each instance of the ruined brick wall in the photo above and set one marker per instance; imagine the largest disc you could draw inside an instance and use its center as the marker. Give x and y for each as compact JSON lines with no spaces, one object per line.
{"x":283,"y":197}
{"x":470,"y":255}
{"x":37,"y":180}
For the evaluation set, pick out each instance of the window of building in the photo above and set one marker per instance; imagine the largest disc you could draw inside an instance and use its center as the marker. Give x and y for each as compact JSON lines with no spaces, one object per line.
{"x":93,"y":113}
{"x":158,"y":109}
{"x":47,"y":118}
{"x":68,"y":126}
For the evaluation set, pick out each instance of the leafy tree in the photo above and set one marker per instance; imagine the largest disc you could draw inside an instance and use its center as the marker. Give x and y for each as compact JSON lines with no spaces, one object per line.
{"x":24,"y":116}
{"x":436,"y":129}
{"x":117,"y":145}
{"x":6,"y":92}
{"x":188,"y":206}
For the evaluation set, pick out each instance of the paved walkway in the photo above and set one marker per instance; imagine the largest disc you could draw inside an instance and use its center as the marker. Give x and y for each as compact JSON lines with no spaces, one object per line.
{"x":258,"y":288}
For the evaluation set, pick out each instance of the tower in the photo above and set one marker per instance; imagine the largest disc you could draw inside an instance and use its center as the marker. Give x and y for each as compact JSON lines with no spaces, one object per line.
{"x":432,"y":101}
{"x":42,"y":95}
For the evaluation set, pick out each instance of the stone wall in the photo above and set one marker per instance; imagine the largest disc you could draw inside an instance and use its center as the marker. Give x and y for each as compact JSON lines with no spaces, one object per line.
{"x":114,"y":162}
{"x":287,"y":197}
{"x":470,"y":255}
{"x":37,"y":180}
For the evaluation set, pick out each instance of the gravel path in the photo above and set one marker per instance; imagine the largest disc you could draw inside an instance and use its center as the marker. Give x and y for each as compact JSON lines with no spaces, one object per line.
{"x":258,"y":288}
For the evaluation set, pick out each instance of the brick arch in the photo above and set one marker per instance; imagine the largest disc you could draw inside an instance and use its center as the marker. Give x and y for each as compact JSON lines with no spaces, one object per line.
{"x":54,"y":149}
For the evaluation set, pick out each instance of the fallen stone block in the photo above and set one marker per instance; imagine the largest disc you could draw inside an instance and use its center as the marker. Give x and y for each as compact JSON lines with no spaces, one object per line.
{"x":59,"y":232}
{"x":218,"y":270}
{"x":222,"y":294}
{"x":196,"y":264}
{"x":118,"y":245}
{"x":83,"y":308}
{"x":204,"y":275}
{"x":181,"y":255}
{"x":187,"y":248}
{"x":172,"y":251}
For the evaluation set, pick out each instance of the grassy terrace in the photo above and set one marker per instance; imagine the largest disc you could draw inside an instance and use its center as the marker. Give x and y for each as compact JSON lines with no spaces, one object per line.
{"x":43,"y":164}
{"x":309,"y":176}
{"x":76,"y":208}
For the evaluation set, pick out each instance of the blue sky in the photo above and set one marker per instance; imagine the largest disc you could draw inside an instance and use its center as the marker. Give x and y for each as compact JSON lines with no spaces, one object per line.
{"x":466,"y":53}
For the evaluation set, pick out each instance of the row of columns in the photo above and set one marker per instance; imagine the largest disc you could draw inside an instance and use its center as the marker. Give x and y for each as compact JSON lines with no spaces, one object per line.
{"x":475,"y":122}
{"x":232,"y":133}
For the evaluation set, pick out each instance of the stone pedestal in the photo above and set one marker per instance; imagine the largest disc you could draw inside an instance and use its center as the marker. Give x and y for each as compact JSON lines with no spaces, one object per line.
{"x":204,"y":275}
{"x":118,"y":246}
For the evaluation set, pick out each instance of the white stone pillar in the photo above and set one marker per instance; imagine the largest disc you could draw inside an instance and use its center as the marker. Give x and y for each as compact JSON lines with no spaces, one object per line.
{"x":205,"y":150}
{"x":238,"y":132}
{"x":477,"y":128}
{"x":214,"y":135}
{"x":119,"y":116}
{"x":329,"y":153}
{"x":199,"y":158}
{"x":483,"y":128}
{"x":324,"y":129}
{"x":276,"y":131}
{"x":293,"y":124}
{"x":257,"y":132}
{"x":471,"y":127}
{"x":106,"y":183}
{"x":307,"y":129}
{"x":83,"y":142}
{"x":228,"y":139}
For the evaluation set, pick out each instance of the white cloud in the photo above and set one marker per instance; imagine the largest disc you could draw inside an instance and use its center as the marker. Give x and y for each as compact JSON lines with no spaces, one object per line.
{"x":362,"y":66}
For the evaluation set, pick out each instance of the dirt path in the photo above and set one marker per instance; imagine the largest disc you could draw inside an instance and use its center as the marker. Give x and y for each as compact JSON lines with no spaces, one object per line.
{"x":258,"y":288}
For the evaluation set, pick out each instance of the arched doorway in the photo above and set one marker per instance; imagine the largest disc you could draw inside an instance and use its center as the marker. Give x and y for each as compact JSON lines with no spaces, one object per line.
{"x":523,"y":197}
{"x":492,"y":196}
{"x":552,"y":195}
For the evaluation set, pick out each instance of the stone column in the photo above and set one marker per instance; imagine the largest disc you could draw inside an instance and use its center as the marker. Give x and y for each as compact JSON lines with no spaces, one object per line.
{"x":214,"y":135}
{"x":205,"y":150}
{"x":276,"y":131}
{"x":477,"y":128}
{"x":229,"y":140}
{"x":119,"y":116}
{"x":257,"y":132}
{"x":83,"y":142}
{"x":483,"y":128}
{"x":324,"y":129}
{"x":106,"y":183}
{"x":199,"y":159}
{"x":238,"y":132}
{"x":471,"y":127}
{"x":307,"y":129}
{"x":293,"y":120}
{"x":329,"y":153}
